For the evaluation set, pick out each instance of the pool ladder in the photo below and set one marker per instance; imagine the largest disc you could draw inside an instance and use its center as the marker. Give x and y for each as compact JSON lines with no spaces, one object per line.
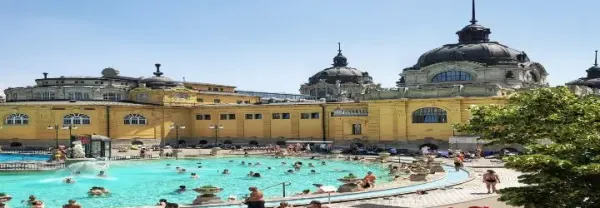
{"x":283,"y":184}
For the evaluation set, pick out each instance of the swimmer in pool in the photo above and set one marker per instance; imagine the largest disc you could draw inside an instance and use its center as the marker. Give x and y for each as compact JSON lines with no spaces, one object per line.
{"x":243,"y":163}
{"x":251,"y":173}
{"x":226,"y":171}
{"x":101,"y":174}
{"x":69,"y":180}
{"x":181,"y":171}
{"x":283,"y":163}
{"x":231,"y":161}
{"x":313,"y":172}
{"x":194,"y":176}
{"x":181,"y":189}
{"x":311,"y":165}
{"x":269,"y":168}
{"x":290,"y":172}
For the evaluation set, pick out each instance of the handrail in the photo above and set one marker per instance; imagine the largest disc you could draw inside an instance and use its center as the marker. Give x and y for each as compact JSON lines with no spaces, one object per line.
{"x":284,"y":184}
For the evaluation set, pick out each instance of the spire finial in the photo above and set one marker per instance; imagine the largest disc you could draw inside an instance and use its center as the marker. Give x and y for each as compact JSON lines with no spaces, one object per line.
{"x":158,"y":73}
{"x":596,"y":59}
{"x":473,"y":20}
{"x":339,"y":47}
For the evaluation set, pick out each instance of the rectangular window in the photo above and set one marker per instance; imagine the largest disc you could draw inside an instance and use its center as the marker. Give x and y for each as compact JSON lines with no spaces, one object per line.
{"x":207,"y":117}
{"x":314,"y":116}
{"x":258,"y":116}
{"x":221,"y":89}
{"x":199,"y":117}
{"x":246,"y":101}
{"x":276,"y":116}
{"x":227,"y":116}
{"x":111,"y":96}
{"x":356,"y":129}
{"x":304,"y":116}
{"x":285,"y":116}
{"x":217,"y":100}
{"x":239,"y":102}
{"x":199,"y":100}
{"x":209,"y":88}
{"x":249,"y":116}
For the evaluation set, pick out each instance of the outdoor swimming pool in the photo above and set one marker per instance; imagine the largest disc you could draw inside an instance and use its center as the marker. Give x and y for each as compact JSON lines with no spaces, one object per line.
{"x":6,"y":157}
{"x":137,"y":183}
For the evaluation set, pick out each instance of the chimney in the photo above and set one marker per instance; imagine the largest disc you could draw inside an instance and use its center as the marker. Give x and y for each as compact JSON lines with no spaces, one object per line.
{"x":45,"y":75}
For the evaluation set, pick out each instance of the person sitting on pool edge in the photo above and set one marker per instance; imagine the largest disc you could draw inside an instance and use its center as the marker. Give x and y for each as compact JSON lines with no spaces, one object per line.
{"x":181,"y":189}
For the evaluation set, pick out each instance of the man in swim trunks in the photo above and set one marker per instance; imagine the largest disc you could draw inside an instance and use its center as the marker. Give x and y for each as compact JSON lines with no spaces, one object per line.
{"x":491,"y":179}
{"x":256,"y":198}
{"x":369,"y":180}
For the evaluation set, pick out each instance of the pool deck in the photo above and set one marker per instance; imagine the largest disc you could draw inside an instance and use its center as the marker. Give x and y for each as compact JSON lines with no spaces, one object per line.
{"x":465,"y":194}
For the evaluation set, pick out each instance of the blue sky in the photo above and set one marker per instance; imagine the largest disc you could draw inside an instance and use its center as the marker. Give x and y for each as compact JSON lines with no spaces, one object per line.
{"x":274,"y":45}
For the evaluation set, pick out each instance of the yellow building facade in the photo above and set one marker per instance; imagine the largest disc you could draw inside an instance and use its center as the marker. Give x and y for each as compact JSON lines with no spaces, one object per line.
{"x":401,"y":122}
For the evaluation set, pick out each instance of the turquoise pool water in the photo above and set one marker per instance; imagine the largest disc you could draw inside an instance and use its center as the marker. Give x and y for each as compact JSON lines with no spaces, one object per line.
{"x":137,"y":183}
{"x":6,"y":157}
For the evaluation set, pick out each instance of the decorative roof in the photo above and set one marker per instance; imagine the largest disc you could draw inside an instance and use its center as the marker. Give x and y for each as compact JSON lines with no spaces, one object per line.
{"x":158,"y":81}
{"x":592,"y":79}
{"x":473,"y":45}
{"x":341,"y":72}
{"x":69,"y":103}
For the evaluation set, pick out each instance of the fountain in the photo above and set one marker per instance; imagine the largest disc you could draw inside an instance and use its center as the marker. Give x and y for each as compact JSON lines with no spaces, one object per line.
{"x":207,"y":195}
{"x":89,"y":166}
{"x":78,"y":151}
{"x":350,"y":184}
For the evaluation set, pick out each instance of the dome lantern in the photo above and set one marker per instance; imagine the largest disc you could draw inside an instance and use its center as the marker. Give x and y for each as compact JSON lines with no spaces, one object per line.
{"x":340,"y":60}
{"x":473,"y":33}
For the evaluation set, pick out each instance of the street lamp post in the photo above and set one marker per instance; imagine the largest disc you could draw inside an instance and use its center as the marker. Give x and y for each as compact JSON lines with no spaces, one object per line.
{"x":177,"y":127}
{"x":216,"y":128}
{"x":56,"y":128}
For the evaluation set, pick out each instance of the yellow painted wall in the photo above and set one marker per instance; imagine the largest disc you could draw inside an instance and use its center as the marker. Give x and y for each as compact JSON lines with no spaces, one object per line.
{"x":387,"y":121}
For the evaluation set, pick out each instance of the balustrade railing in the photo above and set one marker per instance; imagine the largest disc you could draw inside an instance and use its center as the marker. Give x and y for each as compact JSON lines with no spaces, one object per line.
{"x":18,"y":166}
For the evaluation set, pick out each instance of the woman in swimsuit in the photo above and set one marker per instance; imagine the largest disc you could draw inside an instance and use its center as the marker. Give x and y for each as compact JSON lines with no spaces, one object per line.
{"x":491,"y":179}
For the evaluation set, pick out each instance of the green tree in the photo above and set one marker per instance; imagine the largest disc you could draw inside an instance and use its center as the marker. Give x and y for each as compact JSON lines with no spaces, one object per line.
{"x":563,"y":171}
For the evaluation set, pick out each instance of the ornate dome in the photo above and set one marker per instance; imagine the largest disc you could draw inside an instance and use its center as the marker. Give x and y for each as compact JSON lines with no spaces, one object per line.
{"x":592,"y":79}
{"x":110,"y":72}
{"x":340,"y":71}
{"x":473,"y":45}
{"x":158,"y":81}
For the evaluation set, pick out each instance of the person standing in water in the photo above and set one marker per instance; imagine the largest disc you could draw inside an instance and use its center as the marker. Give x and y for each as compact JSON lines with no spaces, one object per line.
{"x":491,"y":179}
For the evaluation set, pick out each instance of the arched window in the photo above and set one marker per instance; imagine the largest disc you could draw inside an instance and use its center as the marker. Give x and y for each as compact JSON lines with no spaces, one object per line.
{"x":452,"y":76}
{"x":76,"y":119}
{"x":17,"y":119}
{"x":134,"y":119}
{"x":430,"y":115}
